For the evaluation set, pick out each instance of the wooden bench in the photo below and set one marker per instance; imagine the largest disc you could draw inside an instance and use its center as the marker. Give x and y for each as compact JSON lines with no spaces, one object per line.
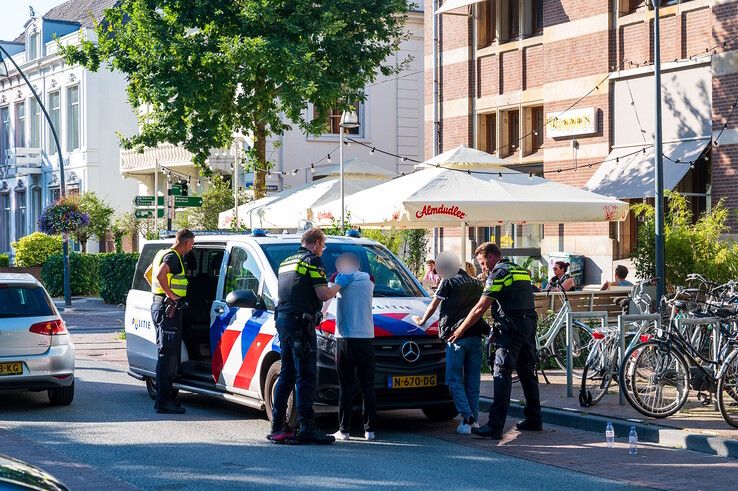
{"x":582,"y":301}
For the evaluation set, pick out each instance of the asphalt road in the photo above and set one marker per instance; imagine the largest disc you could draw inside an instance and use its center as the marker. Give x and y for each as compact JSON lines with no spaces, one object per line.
{"x":111,"y":426}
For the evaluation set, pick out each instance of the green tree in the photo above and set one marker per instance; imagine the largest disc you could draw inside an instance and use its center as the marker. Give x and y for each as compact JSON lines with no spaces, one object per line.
{"x":414,"y":249}
{"x":209,"y":69}
{"x":126,"y":224}
{"x":690,"y":246}
{"x":216,"y":199}
{"x":100,"y":213}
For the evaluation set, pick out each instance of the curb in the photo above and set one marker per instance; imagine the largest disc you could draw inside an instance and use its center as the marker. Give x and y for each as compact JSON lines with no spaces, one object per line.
{"x":647,"y":432}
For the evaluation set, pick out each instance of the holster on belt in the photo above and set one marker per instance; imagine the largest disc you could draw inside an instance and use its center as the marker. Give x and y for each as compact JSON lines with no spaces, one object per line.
{"x":306,"y":323}
{"x":172,"y":306}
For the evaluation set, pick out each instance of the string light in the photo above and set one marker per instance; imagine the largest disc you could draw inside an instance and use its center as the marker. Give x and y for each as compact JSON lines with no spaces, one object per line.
{"x":371,"y":152}
{"x":329,"y":158}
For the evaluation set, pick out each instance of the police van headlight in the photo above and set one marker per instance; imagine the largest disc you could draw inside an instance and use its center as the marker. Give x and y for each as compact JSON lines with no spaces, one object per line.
{"x":327,"y":344}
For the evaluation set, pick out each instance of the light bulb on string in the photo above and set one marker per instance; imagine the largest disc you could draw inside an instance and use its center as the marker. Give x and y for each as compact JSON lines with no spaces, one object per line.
{"x":329,"y":158}
{"x":371,"y":152}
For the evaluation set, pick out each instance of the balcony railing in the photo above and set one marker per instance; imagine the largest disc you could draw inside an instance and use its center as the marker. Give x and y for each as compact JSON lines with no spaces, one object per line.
{"x":168,"y":155}
{"x":21,"y":161}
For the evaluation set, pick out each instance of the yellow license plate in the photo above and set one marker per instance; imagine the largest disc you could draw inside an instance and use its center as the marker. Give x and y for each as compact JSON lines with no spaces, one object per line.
{"x":15,"y":368}
{"x":412,"y":381}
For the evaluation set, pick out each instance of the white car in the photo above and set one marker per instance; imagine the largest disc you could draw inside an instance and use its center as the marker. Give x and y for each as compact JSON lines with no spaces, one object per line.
{"x":36,"y":352}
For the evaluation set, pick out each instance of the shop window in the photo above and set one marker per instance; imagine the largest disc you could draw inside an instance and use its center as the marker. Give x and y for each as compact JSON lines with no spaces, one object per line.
{"x":334,"y":121}
{"x":487,"y":28}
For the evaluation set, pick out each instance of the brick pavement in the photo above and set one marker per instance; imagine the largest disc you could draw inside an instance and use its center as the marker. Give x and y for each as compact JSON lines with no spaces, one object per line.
{"x":694,"y":417}
{"x":655,"y":466}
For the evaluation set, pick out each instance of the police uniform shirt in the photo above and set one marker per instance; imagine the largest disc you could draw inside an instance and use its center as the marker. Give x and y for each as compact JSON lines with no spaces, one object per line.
{"x":172,"y":260}
{"x":458,"y":294}
{"x":299,"y":275}
{"x":510,"y":285}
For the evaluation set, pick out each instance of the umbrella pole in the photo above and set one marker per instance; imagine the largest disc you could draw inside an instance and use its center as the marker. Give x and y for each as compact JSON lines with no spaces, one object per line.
{"x":463,"y":243}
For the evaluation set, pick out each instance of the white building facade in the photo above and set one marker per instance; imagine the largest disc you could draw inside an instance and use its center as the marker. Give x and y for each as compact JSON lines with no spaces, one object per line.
{"x":87,"y":109}
{"x":391,"y":120}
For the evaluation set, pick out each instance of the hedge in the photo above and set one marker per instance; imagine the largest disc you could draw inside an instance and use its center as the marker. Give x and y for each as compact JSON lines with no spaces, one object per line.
{"x":116,"y":276}
{"x":83,"y":278}
{"x":4,"y":261}
{"x":36,"y":248}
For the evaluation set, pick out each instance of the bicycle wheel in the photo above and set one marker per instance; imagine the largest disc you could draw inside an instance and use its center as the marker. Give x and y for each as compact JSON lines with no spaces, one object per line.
{"x":580,"y":346}
{"x":727,"y":392}
{"x":657,"y":379}
{"x":596,"y":376}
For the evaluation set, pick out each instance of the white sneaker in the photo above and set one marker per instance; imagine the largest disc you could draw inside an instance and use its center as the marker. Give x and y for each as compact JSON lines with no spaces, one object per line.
{"x":463,"y":429}
{"x":475,"y":425}
{"x":341,"y":436}
{"x":369,"y":436}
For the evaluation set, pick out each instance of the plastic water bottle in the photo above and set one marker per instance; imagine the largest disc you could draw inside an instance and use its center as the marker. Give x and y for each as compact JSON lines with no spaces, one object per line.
{"x":610,"y":434}
{"x":633,"y":441}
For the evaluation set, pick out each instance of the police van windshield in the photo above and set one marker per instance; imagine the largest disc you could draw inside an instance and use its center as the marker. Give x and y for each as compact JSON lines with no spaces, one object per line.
{"x":390,"y":277}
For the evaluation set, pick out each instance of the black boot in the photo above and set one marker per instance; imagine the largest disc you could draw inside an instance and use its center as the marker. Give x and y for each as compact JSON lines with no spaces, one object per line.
{"x":527,"y":425}
{"x":309,"y":433}
{"x":487,"y":431}
{"x":169,"y":408}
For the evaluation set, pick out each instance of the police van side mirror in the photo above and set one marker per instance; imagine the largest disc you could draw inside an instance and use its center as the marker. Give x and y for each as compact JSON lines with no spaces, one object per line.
{"x":246,"y":299}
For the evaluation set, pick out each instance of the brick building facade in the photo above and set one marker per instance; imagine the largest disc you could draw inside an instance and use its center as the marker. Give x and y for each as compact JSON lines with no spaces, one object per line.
{"x":506,"y":69}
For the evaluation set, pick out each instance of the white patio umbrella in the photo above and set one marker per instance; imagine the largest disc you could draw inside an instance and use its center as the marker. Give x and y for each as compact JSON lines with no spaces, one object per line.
{"x":287,"y":208}
{"x":451,"y":190}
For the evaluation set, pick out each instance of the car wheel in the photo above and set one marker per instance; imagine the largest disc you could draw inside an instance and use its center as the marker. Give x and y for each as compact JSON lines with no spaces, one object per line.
{"x":151,"y":389}
{"x":446,"y":412}
{"x":61,"y":396}
{"x":269,"y":387}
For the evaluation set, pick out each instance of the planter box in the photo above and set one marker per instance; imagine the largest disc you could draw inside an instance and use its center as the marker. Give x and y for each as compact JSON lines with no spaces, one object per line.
{"x":35,"y":271}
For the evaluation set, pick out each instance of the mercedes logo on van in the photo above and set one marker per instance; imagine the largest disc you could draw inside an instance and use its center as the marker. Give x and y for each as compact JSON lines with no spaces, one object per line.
{"x":410,"y":351}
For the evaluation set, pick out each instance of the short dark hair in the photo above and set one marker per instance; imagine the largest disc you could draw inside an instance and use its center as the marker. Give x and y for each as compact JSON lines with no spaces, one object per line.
{"x":312,"y":236}
{"x":488,"y":249}
{"x":183,"y":234}
{"x":621,"y":271}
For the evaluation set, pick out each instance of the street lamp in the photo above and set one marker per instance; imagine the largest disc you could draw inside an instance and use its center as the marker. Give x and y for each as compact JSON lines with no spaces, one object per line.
{"x":62,"y":184}
{"x":349,"y":120}
{"x":659,"y":252}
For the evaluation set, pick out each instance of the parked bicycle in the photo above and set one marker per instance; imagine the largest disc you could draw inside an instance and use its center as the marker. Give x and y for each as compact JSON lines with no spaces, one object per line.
{"x":603,"y":361}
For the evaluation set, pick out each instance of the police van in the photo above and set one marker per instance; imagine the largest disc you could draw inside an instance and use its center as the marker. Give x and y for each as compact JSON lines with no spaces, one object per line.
{"x":230,"y":347}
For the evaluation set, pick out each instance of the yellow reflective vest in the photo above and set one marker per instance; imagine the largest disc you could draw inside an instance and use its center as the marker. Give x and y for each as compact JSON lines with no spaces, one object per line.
{"x":177,"y":282}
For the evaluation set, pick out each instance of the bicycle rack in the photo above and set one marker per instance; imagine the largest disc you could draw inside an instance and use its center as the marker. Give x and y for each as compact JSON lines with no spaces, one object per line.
{"x":624,"y":319}
{"x":595,"y":314}
{"x":716,"y":335}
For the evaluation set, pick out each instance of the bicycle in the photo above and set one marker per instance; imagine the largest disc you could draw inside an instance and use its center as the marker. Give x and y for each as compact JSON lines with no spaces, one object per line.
{"x":602,"y":366}
{"x":660,"y":371}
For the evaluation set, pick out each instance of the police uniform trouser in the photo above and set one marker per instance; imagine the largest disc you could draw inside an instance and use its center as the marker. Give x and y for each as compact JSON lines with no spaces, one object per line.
{"x":516,"y":350}
{"x":168,"y":340}
{"x":299,"y":350}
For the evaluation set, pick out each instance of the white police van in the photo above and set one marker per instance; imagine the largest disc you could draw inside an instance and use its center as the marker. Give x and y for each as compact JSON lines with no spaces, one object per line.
{"x":231,"y":351}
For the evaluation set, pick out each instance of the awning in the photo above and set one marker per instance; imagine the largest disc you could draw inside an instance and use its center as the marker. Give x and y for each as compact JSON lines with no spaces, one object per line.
{"x":450,"y":5}
{"x":629,"y":172}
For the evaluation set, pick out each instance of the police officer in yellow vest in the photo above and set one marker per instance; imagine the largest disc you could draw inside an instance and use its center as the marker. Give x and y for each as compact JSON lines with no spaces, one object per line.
{"x":169,"y":286}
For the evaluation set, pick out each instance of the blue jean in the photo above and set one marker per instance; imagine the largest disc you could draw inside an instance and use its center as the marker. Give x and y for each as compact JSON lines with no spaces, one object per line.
{"x":463,"y":374}
{"x":299,"y":371}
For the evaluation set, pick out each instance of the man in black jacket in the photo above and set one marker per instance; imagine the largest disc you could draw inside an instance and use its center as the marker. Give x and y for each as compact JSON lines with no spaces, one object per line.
{"x":457,"y":294}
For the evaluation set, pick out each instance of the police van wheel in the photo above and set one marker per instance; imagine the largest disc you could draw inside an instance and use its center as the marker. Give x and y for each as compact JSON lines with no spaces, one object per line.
{"x":151,"y":389}
{"x":269,"y":385}
{"x":445,"y":412}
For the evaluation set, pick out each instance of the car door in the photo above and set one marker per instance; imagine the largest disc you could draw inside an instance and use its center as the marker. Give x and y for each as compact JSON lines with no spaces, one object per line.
{"x":236,"y":339}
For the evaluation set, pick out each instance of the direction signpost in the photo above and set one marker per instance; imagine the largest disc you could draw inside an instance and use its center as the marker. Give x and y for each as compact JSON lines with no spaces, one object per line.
{"x":145,"y":204}
{"x":148,"y":213}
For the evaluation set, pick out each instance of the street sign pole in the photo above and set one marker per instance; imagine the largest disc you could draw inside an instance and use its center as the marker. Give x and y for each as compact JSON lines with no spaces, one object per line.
{"x":659,"y":252}
{"x":156,"y":195}
{"x":170,"y":204}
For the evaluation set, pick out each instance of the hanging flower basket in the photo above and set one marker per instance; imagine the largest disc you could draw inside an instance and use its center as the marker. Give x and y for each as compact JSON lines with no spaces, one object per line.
{"x":63,"y":216}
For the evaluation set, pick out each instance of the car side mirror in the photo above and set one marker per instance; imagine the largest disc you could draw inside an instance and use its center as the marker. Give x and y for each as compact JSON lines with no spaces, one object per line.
{"x":246,"y":299}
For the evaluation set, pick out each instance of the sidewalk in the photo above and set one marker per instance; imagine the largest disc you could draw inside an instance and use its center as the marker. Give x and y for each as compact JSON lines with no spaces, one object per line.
{"x":695,"y":427}
{"x":87,"y":304}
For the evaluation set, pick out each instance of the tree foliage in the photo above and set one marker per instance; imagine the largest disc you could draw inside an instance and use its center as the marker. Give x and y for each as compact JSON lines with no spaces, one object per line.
{"x":216,"y":199}
{"x":690,"y":247}
{"x":208,"y":69}
{"x":36,"y":248}
{"x":100,"y":214}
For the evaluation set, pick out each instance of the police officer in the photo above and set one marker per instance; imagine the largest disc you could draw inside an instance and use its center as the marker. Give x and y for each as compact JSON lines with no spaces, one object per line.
{"x":510,"y":286}
{"x":303,"y":288}
{"x":169,"y":286}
